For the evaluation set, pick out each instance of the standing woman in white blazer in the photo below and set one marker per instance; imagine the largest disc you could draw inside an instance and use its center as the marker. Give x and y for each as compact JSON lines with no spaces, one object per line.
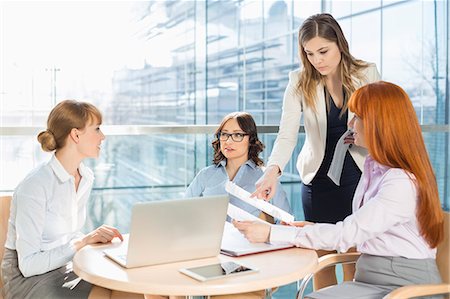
{"x":319,"y":91}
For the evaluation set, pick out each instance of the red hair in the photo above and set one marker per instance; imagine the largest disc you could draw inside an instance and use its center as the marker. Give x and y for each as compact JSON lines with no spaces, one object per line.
{"x":393,"y":138}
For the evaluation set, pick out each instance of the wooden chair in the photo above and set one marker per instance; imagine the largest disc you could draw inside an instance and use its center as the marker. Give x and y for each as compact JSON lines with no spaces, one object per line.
{"x":411,"y":291}
{"x":5,"y":203}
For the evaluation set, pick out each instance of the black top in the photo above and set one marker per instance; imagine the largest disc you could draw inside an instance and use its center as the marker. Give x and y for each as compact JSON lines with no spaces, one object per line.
{"x":336,"y":126}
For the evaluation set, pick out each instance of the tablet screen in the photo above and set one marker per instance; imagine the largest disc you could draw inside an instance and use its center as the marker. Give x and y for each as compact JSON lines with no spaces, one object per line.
{"x":216,"y":270}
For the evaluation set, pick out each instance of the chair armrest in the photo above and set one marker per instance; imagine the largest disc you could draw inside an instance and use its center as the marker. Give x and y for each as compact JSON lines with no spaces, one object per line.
{"x":336,"y":258}
{"x":98,"y":292}
{"x":325,"y":261}
{"x":418,"y":290}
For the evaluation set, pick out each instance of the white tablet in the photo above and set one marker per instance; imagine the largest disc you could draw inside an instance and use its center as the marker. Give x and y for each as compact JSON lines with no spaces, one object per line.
{"x":215,"y":271}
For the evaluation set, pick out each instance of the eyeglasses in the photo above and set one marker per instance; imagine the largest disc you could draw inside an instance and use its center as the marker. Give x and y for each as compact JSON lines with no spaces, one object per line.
{"x":236,"y":137}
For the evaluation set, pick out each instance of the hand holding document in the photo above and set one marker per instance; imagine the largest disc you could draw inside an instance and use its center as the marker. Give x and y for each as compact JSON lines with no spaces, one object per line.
{"x":262,"y":205}
{"x":235,"y":244}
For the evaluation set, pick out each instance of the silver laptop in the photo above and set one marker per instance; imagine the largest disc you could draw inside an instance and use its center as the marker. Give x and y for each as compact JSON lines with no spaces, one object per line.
{"x":173,"y":230}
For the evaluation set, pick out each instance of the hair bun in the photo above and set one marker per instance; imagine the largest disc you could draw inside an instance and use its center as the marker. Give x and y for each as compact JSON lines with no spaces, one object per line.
{"x":47,"y":140}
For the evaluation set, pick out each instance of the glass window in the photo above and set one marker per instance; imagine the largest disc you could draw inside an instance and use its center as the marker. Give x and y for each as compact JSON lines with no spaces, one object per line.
{"x":302,"y":9}
{"x":277,"y":17}
{"x":403,"y":52}
{"x":223,"y":65}
{"x":341,"y":9}
{"x":192,"y":62}
{"x":365,"y":37}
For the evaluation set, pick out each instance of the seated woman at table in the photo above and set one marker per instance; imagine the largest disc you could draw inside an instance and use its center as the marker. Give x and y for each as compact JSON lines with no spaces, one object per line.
{"x":236,"y":158}
{"x":397,"y":221}
{"x":48,"y":210}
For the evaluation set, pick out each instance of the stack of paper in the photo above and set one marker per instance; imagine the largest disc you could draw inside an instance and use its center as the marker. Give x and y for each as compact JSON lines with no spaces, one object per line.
{"x":235,"y":244}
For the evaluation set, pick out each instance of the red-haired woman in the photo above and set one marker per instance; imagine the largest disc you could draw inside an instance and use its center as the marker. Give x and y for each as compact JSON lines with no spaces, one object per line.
{"x":318,"y":92}
{"x":397,"y":221}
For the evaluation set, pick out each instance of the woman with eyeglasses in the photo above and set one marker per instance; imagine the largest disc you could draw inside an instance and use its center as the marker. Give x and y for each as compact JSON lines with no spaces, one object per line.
{"x":236,"y":158}
{"x":318,"y":92}
{"x":397,"y":219}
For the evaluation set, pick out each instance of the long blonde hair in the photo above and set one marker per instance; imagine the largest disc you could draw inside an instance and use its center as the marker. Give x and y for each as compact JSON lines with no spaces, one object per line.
{"x":325,"y":26}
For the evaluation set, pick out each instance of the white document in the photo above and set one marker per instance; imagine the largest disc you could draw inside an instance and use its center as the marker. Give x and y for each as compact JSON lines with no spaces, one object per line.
{"x":235,"y":244}
{"x":335,"y":171}
{"x":241,"y":215}
{"x":262,"y":205}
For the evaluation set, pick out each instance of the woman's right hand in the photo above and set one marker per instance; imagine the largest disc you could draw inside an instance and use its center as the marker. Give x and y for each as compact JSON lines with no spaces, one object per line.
{"x":254,"y":231}
{"x":102,"y":234}
{"x":266,"y":186}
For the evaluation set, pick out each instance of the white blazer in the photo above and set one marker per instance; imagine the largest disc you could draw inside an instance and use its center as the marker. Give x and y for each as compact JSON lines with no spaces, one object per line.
{"x":313,"y":151}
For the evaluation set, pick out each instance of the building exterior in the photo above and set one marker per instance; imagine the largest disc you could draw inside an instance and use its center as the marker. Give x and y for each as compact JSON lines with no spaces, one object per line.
{"x":200,"y":61}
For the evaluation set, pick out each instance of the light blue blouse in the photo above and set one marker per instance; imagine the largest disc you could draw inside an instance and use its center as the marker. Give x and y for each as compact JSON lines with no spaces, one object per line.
{"x":211,"y":181}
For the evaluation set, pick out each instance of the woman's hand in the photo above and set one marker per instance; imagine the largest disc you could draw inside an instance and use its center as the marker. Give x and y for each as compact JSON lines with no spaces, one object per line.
{"x":349,"y":139}
{"x":102,"y":234}
{"x":254,"y":231}
{"x":298,"y":223}
{"x":266,"y":186}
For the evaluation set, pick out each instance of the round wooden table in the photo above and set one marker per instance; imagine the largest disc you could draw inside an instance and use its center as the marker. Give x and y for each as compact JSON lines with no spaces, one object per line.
{"x":276,"y":268}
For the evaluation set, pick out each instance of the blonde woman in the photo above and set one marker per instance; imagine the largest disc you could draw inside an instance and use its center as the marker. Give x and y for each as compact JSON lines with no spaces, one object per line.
{"x":319,"y":91}
{"x":49,"y":209}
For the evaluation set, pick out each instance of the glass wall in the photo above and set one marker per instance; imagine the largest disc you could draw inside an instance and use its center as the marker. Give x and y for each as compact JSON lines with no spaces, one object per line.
{"x":190,"y":63}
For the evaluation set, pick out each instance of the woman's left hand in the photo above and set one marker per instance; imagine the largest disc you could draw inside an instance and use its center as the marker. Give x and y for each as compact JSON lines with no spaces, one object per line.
{"x":254,"y":231}
{"x":349,"y":139}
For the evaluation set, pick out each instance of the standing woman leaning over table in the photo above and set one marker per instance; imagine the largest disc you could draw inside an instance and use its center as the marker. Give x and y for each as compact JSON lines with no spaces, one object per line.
{"x":48,"y":210}
{"x":320,"y":90}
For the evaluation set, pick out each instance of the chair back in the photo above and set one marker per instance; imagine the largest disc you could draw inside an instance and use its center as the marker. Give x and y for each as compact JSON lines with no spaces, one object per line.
{"x":443,"y":251}
{"x":5,"y":203}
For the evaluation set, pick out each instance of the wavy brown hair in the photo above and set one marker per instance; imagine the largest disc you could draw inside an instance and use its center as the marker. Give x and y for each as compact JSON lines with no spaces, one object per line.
{"x":394,"y":138}
{"x":325,"y":26}
{"x":247,"y":124}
